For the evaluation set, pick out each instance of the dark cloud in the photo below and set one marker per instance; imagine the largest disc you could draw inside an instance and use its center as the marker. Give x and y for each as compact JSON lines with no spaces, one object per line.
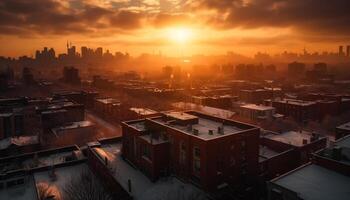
{"x":331,"y":16}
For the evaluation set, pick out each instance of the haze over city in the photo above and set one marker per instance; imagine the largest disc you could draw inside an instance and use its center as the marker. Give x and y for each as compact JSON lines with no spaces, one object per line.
{"x":174,"y":100}
{"x":196,"y":27}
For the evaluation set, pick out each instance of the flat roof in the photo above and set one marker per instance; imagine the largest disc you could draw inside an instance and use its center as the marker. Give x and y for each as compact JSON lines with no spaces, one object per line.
{"x":294,"y":138}
{"x":296,"y":102}
{"x":345,"y":126}
{"x":73,"y":125}
{"x":266,"y":153}
{"x":257,"y":107}
{"x":19,"y":141}
{"x":206,"y":109}
{"x":203,"y":126}
{"x":343,"y":142}
{"x":35,"y":161}
{"x":138,"y":125}
{"x":180,"y":115}
{"x":108,"y":100}
{"x":143,"y":111}
{"x":313,"y":182}
{"x":142,"y":186}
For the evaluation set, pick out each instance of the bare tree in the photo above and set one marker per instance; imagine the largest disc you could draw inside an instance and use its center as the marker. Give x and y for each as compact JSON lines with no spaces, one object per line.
{"x":85,"y":187}
{"x":45,"y":192}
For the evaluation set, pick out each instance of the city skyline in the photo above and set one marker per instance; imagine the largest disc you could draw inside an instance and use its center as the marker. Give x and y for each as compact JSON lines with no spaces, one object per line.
{"x":195,"y":27}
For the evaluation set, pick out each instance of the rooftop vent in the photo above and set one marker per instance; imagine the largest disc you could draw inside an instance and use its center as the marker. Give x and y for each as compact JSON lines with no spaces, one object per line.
{"x":221,"y":130}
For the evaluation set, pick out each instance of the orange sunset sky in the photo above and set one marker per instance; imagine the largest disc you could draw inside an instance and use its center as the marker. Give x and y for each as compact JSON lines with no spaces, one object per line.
{"x":174,"y":27}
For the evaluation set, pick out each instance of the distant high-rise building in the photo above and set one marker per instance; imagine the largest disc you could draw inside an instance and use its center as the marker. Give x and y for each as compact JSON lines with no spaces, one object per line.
{"x":348,"y":51}
{"x":341,"y":50}
{"x":84,"y":52}
{"x":99,"y":52}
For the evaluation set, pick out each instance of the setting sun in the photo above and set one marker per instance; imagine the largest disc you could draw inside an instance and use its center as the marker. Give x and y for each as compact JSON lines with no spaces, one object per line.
{"x":180,"y":35}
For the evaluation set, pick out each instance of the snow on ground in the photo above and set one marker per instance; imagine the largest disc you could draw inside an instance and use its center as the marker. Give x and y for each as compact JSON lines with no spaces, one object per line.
{"x":206,"y":109}
{"x":142,"y":188}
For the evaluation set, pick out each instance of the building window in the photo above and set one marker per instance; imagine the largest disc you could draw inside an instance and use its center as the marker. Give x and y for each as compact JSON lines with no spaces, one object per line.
{"x":196,"y":161}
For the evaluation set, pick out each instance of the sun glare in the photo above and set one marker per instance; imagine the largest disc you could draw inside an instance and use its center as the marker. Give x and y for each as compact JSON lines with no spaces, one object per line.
{"x":180,"y":35}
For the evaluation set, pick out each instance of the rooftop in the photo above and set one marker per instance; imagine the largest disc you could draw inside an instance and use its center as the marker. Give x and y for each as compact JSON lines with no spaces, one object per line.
{"x":138,"y":125}
{"x":205,"y":129}
{"x":206,"y":109}
{"x":142,"y":187}
{"x":19,"y":141}
{"x":180,"y":115}
{"x":344,"y":142}
{"x":257,"y":107}
{"x":266,"y":153}
{"x":143,"y":111}
{"x":296,"y":102}
{"x":345,"y":126}
{"x":294,"y":138}
{"x":35,"y":160}
{"x":108,"y":101}
{"x":313,"y":182}
{"x":73,"y":125}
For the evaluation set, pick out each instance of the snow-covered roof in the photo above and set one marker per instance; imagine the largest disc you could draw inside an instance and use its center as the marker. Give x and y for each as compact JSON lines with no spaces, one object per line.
{"x":19,"y":141}
{"x":143,"y":111}
{"x":257,"y":107}
{"x":74,"y":125}
{"x":344,"y":142}
{"x":142,"y":187}
{"x":266,"y":153}
{"x":345,"y":126}
{"x":313,"y":182}
{"x":206,"y":109}
{"x":294,"y":138}
{"x":203,"y":128}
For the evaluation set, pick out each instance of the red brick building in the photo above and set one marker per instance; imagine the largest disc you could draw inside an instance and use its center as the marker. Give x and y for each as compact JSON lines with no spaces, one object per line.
{"x":298,"y":109}
{"x":208,"y":151}
{"x":304,"y":143}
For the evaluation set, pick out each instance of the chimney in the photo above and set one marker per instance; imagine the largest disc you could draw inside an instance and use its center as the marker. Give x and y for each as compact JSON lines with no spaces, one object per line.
{"x":211,"y":132}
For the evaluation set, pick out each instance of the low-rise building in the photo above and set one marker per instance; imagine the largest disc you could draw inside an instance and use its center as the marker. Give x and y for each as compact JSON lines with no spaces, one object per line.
{"x":297,"y":109}
{"x":310,"y":182}
{"x":304,"y":143}
{"x":209,"y":151}
{"x":342,"y":130}
{"x":257,"y":112}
